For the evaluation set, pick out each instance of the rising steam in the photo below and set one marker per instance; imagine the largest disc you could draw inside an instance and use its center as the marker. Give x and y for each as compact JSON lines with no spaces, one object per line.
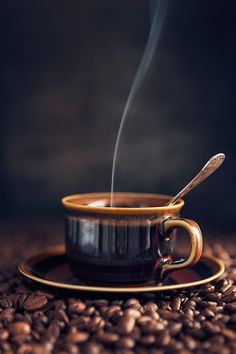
{"x":158,"y":13}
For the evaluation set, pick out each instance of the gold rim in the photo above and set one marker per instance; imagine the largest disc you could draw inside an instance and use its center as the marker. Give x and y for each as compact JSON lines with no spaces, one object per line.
{"x":67,"y":203}
{"x":139,"y":289}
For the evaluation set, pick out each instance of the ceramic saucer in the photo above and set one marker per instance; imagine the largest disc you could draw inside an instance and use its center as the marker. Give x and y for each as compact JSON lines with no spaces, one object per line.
{"x":51,"y":268}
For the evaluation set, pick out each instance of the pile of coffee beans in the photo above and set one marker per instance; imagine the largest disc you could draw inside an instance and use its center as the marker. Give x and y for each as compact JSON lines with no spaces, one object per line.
{"x":195,"y":320}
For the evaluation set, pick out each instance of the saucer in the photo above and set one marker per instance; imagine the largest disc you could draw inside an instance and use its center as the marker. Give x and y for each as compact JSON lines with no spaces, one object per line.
{"x":51,"y":268}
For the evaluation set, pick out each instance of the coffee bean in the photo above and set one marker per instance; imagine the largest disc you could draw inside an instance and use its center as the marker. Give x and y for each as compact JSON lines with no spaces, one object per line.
{"x":210,"y":327}
{"x":22,"y":299}
{"x":147,"y":339}
{"x":196,"y":333}
{"x":152,"y":326}
{"x":35,"y":302}
{"x":92,"y":348}
{"x":7,"y":315}
{"x":5,"y":303}
{"x":213,"y":297}
{"x":78,"y":337}
{"x":20,"y":328}
{"x":207,"y":304}
{"x":4,"y":334}
{"x":189,"y":342}
{"x":231,"y":307}
{"x":126,"y":324}
{"x":95,"y":324}
{"x":130,"y":312}
{"x":131,"y":302}
{"x":175,"y":304}
{"x":208,"y":313}
{"x":125,"y":342}
{"x":77,"y":307}
{"x":100,"y":303}
{"x":229,"y":334}
{"x":150,"y":306}
{"x":48,"y":295}
{"x":163,"y":339}
{"x":207,"y":289}
{"x":167,"y":315}
{"x":152,"y":314}
{"x":109,"y":311}
{"x":229,"y":298}
{"x":31,"y":348}
{"x":144,"y":319}
{"x":189,"y":304}
{"x":107,"y":337}
{"x":175,"y":328}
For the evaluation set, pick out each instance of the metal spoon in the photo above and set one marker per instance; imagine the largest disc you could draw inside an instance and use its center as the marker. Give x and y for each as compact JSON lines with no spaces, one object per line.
{"x":211,"y":166}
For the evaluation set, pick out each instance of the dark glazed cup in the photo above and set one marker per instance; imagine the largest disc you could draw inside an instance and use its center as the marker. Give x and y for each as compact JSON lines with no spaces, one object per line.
{"x":131,"y":242}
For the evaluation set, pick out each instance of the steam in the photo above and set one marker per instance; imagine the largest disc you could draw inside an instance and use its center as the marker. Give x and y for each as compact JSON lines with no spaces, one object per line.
{"x":158,"y":13}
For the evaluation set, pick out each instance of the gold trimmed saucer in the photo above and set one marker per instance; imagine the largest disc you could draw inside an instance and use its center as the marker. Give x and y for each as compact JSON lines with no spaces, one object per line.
{"x":51,"y":268}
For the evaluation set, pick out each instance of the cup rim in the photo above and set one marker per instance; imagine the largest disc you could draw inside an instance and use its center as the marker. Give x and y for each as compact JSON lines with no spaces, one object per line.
{"x":68,"y":204}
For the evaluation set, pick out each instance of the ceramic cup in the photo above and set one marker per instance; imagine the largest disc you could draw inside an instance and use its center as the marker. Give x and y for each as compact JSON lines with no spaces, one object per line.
{"x":131,"y":242}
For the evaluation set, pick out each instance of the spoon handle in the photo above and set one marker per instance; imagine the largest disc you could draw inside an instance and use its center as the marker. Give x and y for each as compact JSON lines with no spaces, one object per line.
{"x":211,"y":166}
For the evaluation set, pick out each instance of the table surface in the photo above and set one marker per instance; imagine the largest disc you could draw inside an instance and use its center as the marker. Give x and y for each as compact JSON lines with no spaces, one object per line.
{"x":36,"y":320}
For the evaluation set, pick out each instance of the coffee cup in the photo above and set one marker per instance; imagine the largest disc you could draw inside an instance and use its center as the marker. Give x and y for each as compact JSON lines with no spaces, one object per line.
{"x":132,"y":242}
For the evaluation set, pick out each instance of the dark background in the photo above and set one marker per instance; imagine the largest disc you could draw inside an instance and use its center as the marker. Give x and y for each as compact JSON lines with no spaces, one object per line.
{"x":66,"y":71}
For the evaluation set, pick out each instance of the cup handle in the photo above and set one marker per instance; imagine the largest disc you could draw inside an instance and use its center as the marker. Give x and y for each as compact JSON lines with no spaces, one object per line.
{"x":195,"y":236}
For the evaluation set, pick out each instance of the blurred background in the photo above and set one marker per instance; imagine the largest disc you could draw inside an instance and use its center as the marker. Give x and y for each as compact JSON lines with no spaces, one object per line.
{"x":66,"y":71}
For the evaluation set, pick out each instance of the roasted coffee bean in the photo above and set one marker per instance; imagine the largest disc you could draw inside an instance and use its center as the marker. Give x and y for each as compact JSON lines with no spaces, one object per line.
{"x":22,"y":299}
{"x":4,"y":334}
{"x":130,"y":312}
{"x":147,"y":339}
{"x":230,"y":290}
{"x":151,"y":327}
{"x":189,"y":342}
{"x":231,"y":307}
{"x":144,"y":319}
{"x":7,"y":315}
{"x":213,"y":297}
{"x":100,"y":303}
{"x":48,"y":295}
{"x":163,"y":339}
{"x":167,"y":315}
{"x":175,"y":304}
{"x":35,"y":302}
{"x":229,"y":334}
{"x":77,"y":337}
{"x":229,"y":298}
{"x":95,"y":324}
{"x":5,"y":303}
{"x":175,"y":328}
{"x":31,"y":348}
{"x":80,"y":322}
{"x":207,"y":304}
{"x":208,"y":313}
{"x":210,"y":327}
{"x":126,"y":324}
{"x":19,"y":328}
{"x":77,"y":307}
{"x":131,"y":302}
{"x":153,"y":314}
{"x":107,"y":337}
{"x":125,"y":342}
{"x":189,"y":304}
{"x":150,"y":306}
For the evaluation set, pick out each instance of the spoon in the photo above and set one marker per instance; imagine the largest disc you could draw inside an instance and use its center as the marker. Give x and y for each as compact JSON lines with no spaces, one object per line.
{"x":211,"y":166}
